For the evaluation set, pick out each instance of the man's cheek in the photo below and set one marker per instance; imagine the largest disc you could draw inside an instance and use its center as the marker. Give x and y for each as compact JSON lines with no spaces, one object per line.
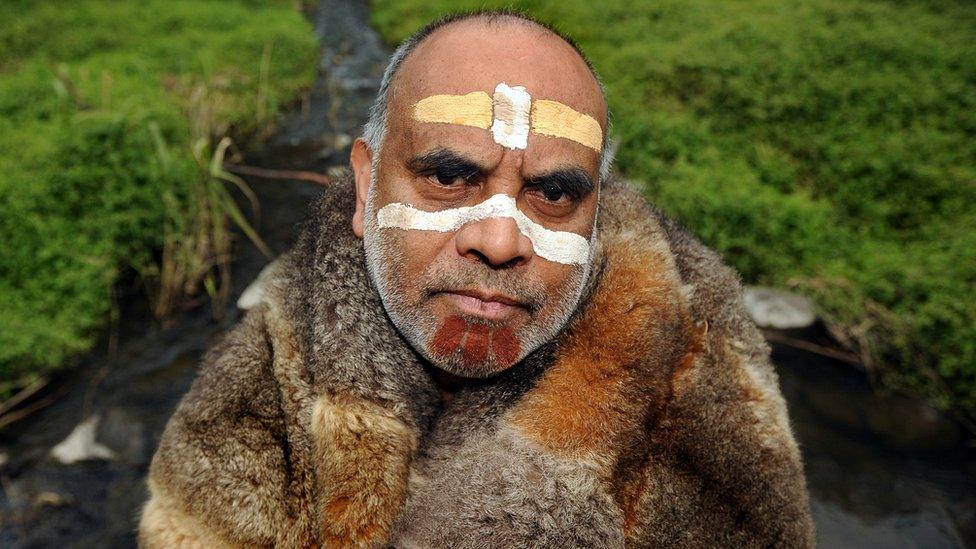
{"x":419,"y":250}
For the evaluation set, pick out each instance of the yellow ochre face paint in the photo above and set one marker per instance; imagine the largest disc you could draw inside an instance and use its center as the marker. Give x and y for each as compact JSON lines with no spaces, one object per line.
{"x":554,"y":119}
{"x":471,"y":109}
{"x":511,"y":114}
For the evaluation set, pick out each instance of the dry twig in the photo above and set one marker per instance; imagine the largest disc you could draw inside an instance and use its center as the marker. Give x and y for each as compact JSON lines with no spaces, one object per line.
{"x":266,"y":173}
{"x":849,"y":358}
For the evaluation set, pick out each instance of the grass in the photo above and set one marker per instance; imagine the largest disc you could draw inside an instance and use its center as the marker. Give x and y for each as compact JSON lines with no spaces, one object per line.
{"x":827,"y":146}
{"x":113,"y":119}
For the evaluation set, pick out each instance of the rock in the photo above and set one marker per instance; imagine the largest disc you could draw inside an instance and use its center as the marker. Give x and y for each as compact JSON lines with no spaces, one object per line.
{"x":81,"y":444}
{"x":254,"y":293}
{"x":341,"y":140}
{"x":338,"y":171}
{"x":912,"y":424}
{"x":124,"y":435}
{"x":51,"y":499}
{"x":925,"y":527}
{"x":770,"y":308}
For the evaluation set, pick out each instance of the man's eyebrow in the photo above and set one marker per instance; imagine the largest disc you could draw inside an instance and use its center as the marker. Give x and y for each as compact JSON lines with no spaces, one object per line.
{"x":445,"y":161}
{"x":573,"y":181}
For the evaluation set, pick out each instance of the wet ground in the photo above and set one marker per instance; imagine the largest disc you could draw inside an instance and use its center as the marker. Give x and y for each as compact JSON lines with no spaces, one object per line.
{"x":883,"y":471}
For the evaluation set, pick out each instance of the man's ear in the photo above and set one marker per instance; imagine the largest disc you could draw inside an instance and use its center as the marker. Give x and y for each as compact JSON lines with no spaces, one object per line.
{"x":361,"y":160}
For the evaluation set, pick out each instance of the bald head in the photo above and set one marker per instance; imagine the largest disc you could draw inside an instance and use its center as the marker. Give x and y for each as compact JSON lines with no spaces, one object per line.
{"x":472,"y":52}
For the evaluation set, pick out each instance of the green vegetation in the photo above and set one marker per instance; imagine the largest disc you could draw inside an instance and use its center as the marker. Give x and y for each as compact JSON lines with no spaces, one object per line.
{"x":112,"y":118}
{"x":826,"y":145}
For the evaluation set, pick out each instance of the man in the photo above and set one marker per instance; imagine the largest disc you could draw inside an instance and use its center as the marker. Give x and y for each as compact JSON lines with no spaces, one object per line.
{"x":506,"y":349}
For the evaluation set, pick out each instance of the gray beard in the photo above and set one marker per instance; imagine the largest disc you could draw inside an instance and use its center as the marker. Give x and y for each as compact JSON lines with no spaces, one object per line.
{"x":384,"y":254}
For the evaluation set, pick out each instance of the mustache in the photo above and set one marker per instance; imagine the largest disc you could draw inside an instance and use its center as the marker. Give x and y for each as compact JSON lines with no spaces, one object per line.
{"x":444,"y":278}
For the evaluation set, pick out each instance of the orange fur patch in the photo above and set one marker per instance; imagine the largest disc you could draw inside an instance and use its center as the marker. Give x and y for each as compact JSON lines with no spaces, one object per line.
{"x":587,"y":395}
{"x":629,"y":496}
{"x":632,"y":481}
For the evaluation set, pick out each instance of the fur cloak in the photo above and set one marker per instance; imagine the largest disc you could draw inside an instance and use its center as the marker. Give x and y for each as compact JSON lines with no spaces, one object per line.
{"x":653,"y":419}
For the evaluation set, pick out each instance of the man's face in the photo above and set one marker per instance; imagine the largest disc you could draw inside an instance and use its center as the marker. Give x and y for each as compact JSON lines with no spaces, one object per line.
{"x":478,"y":298}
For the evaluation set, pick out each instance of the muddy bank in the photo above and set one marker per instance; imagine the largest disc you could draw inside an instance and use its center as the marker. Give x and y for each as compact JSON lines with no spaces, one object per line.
{"x":868,"y":489}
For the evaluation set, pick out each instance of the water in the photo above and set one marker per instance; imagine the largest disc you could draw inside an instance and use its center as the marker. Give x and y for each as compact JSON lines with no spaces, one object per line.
{"x":874,"y":476}
{"x":883,"y":471}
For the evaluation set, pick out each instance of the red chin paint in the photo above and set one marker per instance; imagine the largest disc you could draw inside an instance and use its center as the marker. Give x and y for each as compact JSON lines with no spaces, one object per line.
{"x":448,"y":336}
{"x":475,"y":346}
{"x":505,"y":345}
{"x":475,"y":340}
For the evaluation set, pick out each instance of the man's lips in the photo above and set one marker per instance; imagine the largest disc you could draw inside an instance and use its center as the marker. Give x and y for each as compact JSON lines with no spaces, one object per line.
{"x":486,"y":304}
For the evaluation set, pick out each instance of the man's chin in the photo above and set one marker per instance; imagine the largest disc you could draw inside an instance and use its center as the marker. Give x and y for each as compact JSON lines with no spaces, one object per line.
{"x":473,"y":348}
{"x":456,"y":366}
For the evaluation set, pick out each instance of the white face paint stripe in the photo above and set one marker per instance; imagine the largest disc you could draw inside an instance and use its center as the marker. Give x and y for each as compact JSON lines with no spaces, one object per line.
{"x":511,"y":116}
{"x":559,"y":246}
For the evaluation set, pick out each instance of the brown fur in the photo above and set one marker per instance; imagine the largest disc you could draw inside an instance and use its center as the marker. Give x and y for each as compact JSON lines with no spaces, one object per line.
{"x":166,"y":525}
{"x":653,"y":420}
{"x":363,"y":458}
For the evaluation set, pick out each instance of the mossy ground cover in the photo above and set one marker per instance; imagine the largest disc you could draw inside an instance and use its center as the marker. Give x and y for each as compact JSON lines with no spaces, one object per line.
{"x":825,"y":145}
{"x":110,"y":113}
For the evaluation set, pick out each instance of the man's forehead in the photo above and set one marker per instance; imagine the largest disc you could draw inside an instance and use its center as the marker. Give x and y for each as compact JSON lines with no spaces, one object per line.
{"x":473,"y":56}
{"x":511,"y":114}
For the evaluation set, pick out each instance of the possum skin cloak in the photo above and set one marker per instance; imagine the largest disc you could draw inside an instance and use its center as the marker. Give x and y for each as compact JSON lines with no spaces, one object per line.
{"x":654,"y":419}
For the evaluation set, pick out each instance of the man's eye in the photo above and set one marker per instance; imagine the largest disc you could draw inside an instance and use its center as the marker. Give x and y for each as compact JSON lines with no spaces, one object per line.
{"x":553,"y":193}
{"x":447,"y":177}
{"x":447,"y":180}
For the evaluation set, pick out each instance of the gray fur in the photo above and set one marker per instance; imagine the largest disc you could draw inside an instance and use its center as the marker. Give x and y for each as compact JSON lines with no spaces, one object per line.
{"x":501,"y":491}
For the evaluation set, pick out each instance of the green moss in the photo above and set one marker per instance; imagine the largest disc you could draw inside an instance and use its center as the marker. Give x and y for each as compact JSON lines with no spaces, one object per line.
{"x":101,"y":103}
{"x":826,"y":145}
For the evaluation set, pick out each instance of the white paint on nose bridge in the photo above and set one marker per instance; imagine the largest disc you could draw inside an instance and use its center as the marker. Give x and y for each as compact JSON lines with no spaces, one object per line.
{"x":559,"y":246}
{"x":510,"y":127}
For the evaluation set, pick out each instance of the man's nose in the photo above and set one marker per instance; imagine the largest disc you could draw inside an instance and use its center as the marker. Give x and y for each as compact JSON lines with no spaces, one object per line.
{"x":497,"y":241}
